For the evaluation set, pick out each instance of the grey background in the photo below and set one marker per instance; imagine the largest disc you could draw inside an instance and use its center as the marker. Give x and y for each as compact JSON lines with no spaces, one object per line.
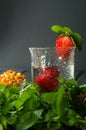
{"x":27,"y":23}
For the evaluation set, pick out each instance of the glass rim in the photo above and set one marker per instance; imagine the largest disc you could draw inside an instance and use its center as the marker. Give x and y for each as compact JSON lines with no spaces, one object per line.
{"x":42,"y":48}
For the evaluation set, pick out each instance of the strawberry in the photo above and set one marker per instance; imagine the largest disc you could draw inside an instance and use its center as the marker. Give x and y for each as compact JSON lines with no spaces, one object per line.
{"x":66,"y":40}
{"x":47,"y":79}
{"x":63,"y":45}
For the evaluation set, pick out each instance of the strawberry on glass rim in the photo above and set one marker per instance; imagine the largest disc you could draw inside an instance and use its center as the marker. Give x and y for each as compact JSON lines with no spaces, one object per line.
{"x":66,"y":40}
{"x":64,"y":45}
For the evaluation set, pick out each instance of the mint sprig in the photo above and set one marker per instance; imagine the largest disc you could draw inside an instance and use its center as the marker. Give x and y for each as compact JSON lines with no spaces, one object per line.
{"x":67,"y":31}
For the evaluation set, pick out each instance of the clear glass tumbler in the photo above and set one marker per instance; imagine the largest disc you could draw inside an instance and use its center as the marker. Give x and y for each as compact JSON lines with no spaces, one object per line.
{"x":62,"y":58}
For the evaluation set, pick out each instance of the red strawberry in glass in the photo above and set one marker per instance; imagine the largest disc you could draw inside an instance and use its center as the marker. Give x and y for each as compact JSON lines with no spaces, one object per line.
{"x":48,"y":79}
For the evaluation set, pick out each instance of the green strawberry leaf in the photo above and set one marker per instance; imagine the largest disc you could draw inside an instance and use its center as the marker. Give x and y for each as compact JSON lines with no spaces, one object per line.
{"x":67,"y":30}
{"x":61,"y":30}
{"x":58,"y":29}
{"x":77,"y":39}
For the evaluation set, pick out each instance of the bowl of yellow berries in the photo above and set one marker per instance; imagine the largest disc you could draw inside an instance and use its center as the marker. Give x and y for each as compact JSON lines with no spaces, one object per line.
{"x":13,"y":78}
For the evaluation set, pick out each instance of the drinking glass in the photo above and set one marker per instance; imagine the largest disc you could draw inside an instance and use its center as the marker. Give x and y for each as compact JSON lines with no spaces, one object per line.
{"x":62,"y":58}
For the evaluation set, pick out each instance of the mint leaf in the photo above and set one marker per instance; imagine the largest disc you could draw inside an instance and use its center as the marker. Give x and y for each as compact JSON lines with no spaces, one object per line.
{"x":2,"y":87}
{"x":83,"y":87}
{"x":32,"y":103}
{"x":3,"y":121}
{"x":71,"y":117}
{"x":12,"y":119}
{"x":29,"y":92}
{"x":48,"y":97}
{"x":1,"y":127}
{"x":59,"y":102}
{"x":27,"y":119}
{"x":23,"y":97}
{"x":8,"y":107}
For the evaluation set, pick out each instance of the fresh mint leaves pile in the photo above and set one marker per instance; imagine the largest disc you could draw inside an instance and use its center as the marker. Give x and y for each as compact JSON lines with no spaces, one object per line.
{"x":22,"y":109}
